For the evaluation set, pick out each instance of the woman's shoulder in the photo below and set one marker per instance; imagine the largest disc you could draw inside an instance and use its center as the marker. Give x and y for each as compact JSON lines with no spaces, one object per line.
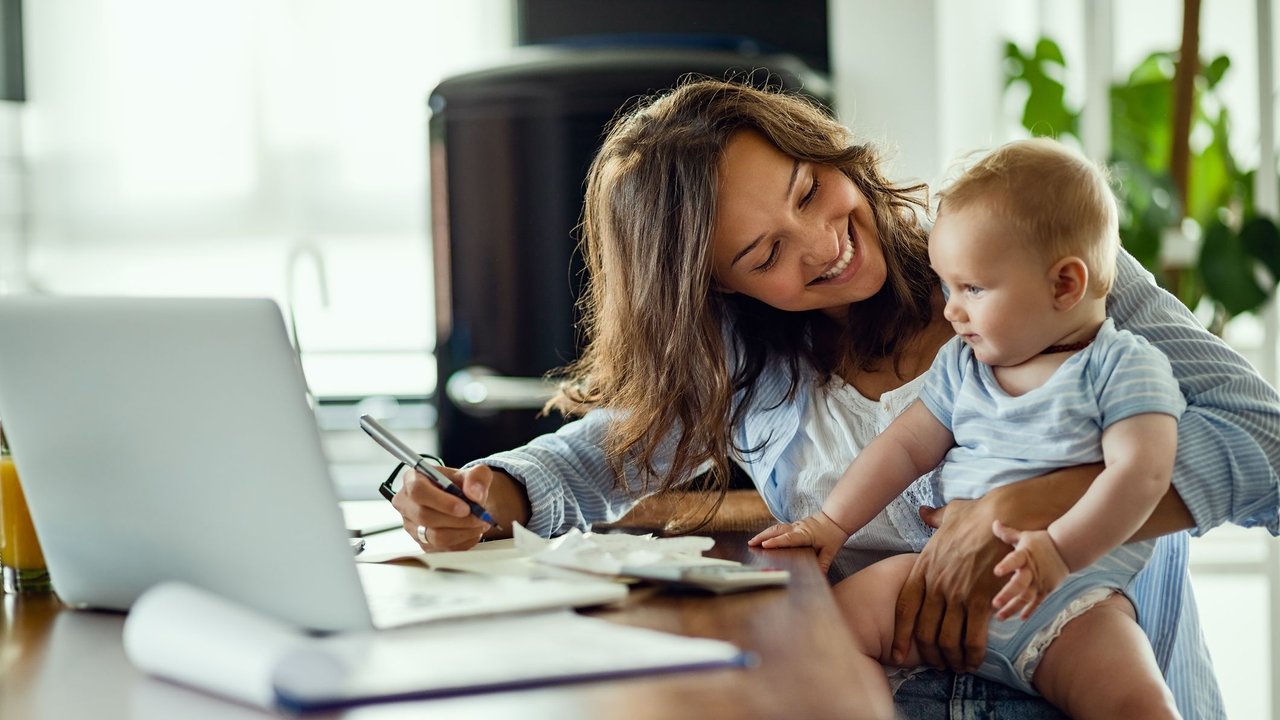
{"x":1119,"y":351}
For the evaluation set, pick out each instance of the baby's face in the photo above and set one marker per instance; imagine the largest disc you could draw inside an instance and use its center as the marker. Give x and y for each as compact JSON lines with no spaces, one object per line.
{"x":1001,"y":292}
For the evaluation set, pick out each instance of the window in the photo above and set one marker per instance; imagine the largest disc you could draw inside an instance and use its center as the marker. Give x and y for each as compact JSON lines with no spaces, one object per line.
{"x":250,"y":147}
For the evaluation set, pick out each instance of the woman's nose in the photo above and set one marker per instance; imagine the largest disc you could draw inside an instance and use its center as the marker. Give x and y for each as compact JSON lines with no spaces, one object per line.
{"x":821,"y":245}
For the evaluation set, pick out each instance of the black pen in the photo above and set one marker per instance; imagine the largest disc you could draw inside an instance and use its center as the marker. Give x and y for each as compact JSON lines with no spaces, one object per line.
{"x":407,"y":456}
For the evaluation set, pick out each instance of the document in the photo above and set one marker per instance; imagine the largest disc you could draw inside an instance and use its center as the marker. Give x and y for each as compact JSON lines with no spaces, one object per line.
{"x":675,"y":562}
{"x":190,"y":636}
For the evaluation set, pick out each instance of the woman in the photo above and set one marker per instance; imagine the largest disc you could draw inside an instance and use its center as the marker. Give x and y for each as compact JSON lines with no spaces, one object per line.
{"x":760,"y":294}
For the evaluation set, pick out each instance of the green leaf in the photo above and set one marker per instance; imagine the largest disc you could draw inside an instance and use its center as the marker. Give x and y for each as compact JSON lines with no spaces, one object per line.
{"x":1143,"y":243}
{"x":1261,"y":239}
{"x":1155,"y":67}
{"x":1046,"y":113}
{"x":1048,"y":50}
{"x":1015,"y":64}
{"x":1214,"y":71}
{"x":1140,"y":127}
{"x":1227,"y":270}
{"x":1209,"y":185}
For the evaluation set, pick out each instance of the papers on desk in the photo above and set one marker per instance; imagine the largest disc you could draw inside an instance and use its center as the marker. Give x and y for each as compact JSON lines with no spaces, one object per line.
{"x":677,"y":562}
{"x":193,"y":637}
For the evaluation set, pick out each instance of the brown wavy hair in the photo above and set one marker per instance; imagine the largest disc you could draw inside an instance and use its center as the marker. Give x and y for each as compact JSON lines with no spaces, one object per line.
{"x":664,"y":348}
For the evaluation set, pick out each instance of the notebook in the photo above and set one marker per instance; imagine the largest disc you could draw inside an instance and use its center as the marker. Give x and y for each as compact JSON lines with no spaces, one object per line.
{"x":171,"y":439}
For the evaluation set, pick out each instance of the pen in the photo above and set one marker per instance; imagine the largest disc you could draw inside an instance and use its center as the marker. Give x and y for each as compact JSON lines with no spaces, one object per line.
{"x":407,"y":456}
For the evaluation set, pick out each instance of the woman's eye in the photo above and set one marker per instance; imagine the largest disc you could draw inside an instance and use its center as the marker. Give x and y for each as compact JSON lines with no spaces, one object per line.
{"x":769,"y":261}
{"x":813,"y":190}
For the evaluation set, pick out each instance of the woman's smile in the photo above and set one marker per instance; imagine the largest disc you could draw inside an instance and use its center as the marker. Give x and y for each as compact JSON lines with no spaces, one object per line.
{"x":792,"y":234}
{"x":843,"y":267}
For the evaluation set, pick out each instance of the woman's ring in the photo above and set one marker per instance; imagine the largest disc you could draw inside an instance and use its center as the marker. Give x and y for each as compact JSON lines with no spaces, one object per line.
{"x":422,"y":535}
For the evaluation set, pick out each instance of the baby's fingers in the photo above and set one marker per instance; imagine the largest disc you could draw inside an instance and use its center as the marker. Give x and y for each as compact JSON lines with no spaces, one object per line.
{"x":770,"y":532}
{"x":1015,"y":588}
{"x":826,"y":556}
{"x":793,"y":538}
{"x":1012,"y":562}
{"x":1032,"y":603}
{"x":1011,"y":608}
{"x":1006,"y":533}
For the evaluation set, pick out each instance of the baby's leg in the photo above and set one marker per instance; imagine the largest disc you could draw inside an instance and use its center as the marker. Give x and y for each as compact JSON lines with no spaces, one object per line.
{"x":867,"y":599}
{"x":1102,"y":666}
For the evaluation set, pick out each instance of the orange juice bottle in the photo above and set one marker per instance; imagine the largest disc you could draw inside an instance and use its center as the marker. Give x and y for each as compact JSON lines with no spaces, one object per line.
{"x":21,"y":561}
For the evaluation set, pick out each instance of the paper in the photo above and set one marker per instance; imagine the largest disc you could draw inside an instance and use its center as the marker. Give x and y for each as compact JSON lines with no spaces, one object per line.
{"x":192,"y":637}
{"x":200,"y":639}
{"x":368,"y":517}
{"x":607,"y":554}
{"x":404,"y":594}
{"x":575,"y":553}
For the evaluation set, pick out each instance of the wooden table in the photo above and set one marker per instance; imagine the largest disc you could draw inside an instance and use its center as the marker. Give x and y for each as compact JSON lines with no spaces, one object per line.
{"x":57,"y":663}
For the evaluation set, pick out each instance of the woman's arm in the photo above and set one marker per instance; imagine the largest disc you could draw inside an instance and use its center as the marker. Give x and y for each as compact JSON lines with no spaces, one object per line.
{"x":1229,"y":436}
{"x":558,"y":481}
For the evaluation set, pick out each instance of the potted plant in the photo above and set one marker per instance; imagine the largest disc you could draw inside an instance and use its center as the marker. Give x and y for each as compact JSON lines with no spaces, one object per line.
{"x":1231,"y":253}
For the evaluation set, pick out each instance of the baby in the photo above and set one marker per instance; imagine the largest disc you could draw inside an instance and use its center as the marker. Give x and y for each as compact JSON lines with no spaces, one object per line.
{"x":1037,"y":379}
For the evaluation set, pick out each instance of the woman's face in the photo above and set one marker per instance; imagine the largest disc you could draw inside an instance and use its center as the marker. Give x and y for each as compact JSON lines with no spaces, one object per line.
{"x":792,"y":234}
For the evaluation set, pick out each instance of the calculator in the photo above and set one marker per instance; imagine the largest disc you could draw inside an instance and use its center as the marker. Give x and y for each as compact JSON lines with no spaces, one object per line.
{"x":717,"y":578}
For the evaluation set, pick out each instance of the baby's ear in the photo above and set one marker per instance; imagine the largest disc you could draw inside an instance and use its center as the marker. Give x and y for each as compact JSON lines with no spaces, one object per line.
{"x":1070,"y":278}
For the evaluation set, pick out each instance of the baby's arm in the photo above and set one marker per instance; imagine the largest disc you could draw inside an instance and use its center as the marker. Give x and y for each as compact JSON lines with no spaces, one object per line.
{"x":911,"y":446}
{"x":1138,"y":452}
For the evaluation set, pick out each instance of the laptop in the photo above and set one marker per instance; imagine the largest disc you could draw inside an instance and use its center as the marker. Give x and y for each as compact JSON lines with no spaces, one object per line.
{"x":171,"y":439}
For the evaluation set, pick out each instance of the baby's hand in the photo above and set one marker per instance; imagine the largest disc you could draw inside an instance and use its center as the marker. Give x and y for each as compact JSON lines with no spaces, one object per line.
{"x":1037,"y":569}
{"x":817,"y":530}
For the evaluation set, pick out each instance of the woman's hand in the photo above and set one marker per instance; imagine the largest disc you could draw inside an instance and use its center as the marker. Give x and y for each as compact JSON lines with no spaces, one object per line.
{"x":945,"y":604}
{"x":446,"y":521}
{"x":818,"y":531}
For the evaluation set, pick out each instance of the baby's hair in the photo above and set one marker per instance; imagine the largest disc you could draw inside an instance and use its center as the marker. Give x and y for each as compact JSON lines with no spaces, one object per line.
{"x":1051,"y":197}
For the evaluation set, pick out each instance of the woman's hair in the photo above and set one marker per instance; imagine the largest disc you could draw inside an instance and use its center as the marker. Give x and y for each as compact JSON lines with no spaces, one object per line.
{"x":1052,"y":198}
{"x":664,"y":348}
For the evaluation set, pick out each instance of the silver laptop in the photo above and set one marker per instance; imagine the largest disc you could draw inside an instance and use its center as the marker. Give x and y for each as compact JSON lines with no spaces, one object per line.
{"x":170,"y":439}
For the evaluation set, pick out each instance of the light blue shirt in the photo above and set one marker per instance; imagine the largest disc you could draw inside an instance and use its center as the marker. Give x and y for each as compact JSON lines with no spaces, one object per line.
{"x":1225,"y":470}
{"x":1002,"y":438}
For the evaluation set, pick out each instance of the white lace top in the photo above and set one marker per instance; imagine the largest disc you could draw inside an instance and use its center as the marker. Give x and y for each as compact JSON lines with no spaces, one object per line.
{"x":839,"y":423}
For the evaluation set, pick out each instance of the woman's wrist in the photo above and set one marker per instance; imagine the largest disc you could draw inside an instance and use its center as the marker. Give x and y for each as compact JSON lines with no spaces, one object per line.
{"x":508,"y":502}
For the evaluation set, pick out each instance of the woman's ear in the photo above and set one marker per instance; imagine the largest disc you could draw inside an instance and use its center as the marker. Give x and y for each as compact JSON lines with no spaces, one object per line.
{"x":717,"y":287}
{"x":1070,"y":278}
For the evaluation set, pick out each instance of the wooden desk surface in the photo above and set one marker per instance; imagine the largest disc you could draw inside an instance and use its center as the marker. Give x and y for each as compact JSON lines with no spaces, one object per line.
{"x":57,"y":663}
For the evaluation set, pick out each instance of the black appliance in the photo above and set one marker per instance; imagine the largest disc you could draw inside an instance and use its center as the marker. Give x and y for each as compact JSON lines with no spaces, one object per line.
{"x":509,"y":149}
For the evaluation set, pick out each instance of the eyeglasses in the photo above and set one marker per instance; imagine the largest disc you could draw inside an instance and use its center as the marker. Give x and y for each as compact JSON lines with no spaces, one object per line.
{"x":391,"y":485}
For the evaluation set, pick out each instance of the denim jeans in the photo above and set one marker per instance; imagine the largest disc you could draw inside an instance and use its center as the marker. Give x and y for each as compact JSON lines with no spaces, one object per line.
{"x":943,"y":695}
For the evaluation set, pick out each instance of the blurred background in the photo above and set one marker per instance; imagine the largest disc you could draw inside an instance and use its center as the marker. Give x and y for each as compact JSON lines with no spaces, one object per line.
{"x":397,"y":173}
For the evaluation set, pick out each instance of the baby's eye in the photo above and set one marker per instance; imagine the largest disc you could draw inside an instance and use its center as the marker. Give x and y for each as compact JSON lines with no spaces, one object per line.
{"x":973,"y":290}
